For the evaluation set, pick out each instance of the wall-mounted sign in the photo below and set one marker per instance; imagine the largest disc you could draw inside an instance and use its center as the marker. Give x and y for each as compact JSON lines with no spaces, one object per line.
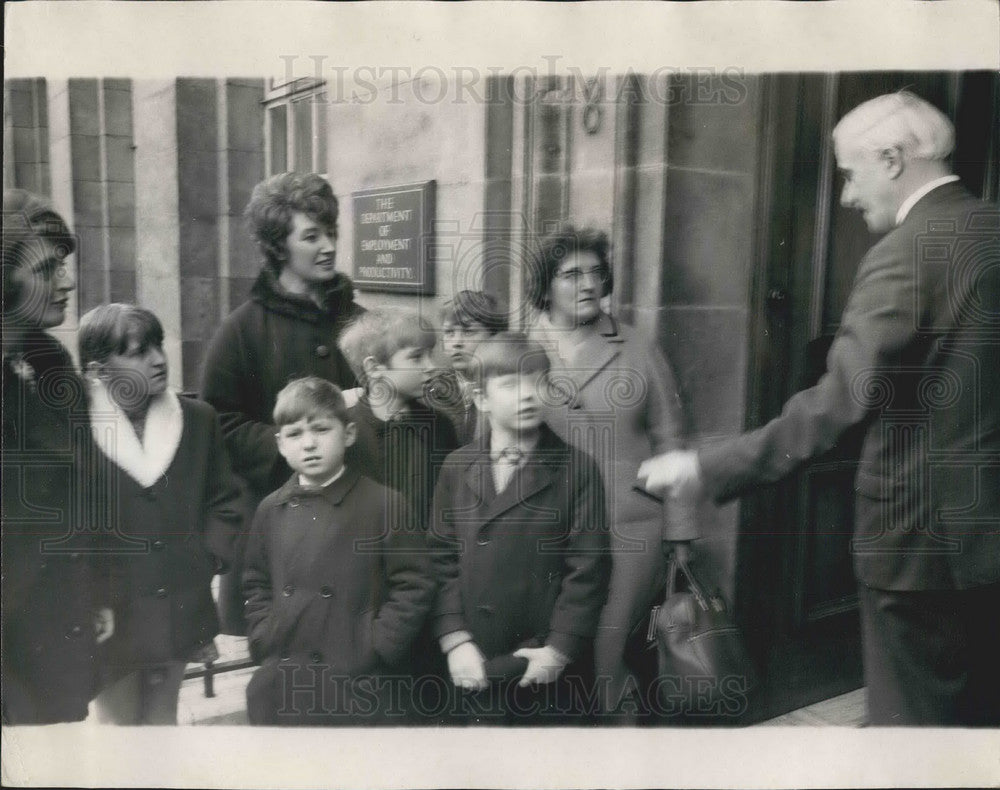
{"x":393,"y":239}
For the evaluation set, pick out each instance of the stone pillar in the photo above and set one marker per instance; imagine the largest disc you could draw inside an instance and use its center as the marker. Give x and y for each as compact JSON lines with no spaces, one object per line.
{"x":242,"y":147}
{"x":198,"y":218}
{"x":89,"y":196}
{"x":26,"y":140}
{"x":157,"y":223}
{"x":708,"y":241}
{"x":119,"y":170}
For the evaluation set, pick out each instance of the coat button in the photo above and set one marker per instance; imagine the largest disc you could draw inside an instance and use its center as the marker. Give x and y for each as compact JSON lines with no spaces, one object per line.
{"x":322,"y":351}
{"x":159,"y":545}
{"x":287,"y":590}
{"x":483,"y":542}
{"x":315,"y":656}
{"x":75,"y":556}
{"x":161,"y":593}
{"x":76,"y":631}
{"x":293,"y":502}
{"x":284,"y":657}
{"x":326,"y":592}
{"x":485,"y":609}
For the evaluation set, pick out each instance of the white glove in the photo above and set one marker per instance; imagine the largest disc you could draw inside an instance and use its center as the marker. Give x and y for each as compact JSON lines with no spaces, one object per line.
{"x":677,"y":472}
{"x":465,"y":663}
{"x":104,"y":624}
{"x":544,"y":664}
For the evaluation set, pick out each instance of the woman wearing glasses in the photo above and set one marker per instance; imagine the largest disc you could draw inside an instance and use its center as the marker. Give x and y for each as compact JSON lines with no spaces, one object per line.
{"x":612,"y":393}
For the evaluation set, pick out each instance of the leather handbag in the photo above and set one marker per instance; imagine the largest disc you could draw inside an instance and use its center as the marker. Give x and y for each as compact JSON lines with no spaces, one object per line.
{"x":703,"y":668}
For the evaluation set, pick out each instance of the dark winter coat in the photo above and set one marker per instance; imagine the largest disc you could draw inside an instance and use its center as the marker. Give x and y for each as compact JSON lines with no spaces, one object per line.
{"x":445,"y":394}
{"x":264,"y":343}
{"x":50,"y":588}
{"x":338,"y":583}
{"x":530,"y":562}
{"x":405,"y":454}
{"x":183,"y":530}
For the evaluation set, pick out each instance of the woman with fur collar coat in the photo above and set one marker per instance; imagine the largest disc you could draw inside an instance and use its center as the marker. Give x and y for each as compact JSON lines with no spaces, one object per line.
{"x":287,"y":329}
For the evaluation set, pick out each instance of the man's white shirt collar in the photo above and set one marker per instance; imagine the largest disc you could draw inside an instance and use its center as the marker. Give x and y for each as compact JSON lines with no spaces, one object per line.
{"x":911,"y":201}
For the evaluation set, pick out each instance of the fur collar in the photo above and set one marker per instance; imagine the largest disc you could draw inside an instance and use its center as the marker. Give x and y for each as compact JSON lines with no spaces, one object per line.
{"x":340,"y":304}
{"x":146,"y":461}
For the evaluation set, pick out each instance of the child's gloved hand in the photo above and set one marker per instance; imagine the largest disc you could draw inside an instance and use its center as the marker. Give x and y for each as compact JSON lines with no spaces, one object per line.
{"x":104,"y":624}
{"x":465,"y":663}
{"x":544,"y":664}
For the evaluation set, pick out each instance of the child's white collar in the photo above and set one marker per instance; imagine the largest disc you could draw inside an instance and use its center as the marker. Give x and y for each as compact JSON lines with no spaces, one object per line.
{"x":334,"y":479}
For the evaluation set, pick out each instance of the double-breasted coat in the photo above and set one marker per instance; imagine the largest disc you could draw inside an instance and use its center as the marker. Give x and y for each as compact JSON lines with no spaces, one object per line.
{"x":616,"y":398}
{"x":175,"y":535}
{"x":263,"y":344}
{"x":338,"y":583}
{"x":50,"y":578}
{"x":529,"y":564}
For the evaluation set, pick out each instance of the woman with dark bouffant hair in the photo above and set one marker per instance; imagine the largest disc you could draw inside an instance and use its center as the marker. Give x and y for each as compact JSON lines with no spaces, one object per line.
{"x":612,"y":394}
{"x":53,"y":617}
{"x":287,"y":329}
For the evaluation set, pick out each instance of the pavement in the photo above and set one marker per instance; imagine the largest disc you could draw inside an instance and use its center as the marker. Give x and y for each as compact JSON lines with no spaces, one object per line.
{"x":228,"y":705}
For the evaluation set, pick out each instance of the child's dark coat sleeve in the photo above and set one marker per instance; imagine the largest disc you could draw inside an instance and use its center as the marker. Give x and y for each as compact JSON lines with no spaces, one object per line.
{"x":409,"y":583}
{"x":257,"y":587}
{"x":584,"y":588}
{"x":443,"y":542}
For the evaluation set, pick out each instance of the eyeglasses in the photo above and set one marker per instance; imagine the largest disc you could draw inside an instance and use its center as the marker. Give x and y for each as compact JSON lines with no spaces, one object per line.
{"x":574,"y":275}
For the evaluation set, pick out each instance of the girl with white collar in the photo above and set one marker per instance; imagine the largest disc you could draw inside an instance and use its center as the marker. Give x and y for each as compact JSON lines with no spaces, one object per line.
{"x":171,"y":500}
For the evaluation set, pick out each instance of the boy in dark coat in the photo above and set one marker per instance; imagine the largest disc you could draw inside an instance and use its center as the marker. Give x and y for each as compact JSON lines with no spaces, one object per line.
{"x":521,"y":550}
{"x":337,"y":579}
{"x":401,"y":441}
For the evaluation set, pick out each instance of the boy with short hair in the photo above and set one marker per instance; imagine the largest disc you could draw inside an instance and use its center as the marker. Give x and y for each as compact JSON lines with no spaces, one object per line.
{"x":337,"y":581}
{"x":521,"y":544}
{"x":466,"y":321}
{"x":401,"y":441}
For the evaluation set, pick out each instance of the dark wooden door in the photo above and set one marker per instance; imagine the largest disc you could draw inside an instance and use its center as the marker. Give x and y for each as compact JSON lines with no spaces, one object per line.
{"x":801,"y":602}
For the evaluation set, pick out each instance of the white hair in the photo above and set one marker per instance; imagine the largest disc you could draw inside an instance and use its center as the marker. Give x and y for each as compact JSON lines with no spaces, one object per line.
{"x":897,"y":120}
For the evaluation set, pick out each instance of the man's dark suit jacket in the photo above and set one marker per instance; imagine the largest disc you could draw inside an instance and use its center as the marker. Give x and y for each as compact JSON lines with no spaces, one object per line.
{"x":917,"y":360}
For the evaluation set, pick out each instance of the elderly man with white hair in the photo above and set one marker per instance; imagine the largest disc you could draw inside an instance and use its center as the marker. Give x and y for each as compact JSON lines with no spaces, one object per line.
{"x":917,"y":361}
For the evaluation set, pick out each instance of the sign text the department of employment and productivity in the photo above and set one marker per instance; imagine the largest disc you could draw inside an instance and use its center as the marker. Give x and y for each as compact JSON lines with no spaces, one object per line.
{"x":392,"y":227}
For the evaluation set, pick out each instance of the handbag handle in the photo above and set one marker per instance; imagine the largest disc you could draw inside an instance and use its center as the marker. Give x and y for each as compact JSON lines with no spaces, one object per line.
{"x":693,"y":584}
